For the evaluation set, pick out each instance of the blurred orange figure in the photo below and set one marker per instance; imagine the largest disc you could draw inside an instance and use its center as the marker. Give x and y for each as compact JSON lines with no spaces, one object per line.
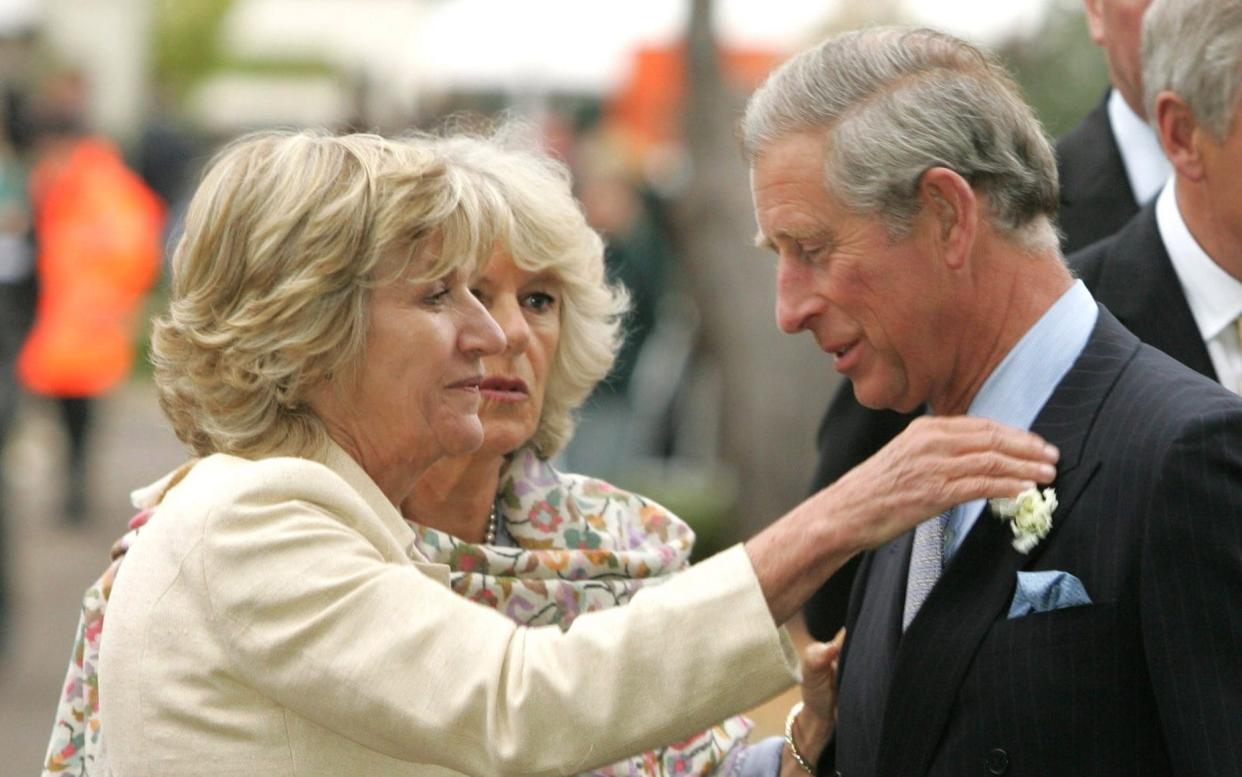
{"x":97,"y":229}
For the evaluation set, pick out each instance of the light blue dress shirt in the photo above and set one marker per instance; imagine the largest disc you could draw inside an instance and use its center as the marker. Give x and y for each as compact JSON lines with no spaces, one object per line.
{"x":1021,"y":384}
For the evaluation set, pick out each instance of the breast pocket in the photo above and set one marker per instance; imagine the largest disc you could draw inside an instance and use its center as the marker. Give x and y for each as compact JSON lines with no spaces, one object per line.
{"x":1085,"y":625}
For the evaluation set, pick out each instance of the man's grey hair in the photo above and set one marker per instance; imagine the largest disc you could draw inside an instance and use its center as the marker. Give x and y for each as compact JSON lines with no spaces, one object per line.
{"x":895,"y":102}
{"x":1194,"y":49}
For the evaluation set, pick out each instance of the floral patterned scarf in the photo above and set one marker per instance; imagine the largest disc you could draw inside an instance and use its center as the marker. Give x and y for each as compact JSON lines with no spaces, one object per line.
{"x":77,"y":746}
{"x":582,"y":545}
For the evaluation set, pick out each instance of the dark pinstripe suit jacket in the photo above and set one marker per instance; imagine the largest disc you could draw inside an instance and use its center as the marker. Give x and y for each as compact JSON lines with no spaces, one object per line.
{"x":1147,"y":680}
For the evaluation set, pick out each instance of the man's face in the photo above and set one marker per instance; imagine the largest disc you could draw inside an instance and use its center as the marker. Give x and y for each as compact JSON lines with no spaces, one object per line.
{"x":1222,"y":184}
{"x":1117,"y":26}
{"x":870,"y":303}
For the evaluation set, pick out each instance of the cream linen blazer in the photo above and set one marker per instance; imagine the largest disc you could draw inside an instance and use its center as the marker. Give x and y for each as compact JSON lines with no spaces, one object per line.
{"x":274,"y":619}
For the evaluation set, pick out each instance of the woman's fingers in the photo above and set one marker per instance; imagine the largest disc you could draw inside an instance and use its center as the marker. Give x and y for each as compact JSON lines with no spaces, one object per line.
{"x":990,"y":474}
{"x":819,"y":656}
{"x":963,"y":434}
{"x":819,"y":678}
{"x":937,"y":463}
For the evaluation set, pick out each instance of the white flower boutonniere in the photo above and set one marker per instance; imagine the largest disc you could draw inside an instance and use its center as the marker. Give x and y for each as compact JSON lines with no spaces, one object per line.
{"x":1029,"y":515}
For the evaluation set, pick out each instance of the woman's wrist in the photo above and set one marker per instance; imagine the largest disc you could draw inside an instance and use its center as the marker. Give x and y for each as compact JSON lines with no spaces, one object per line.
{"x":813,"y":731}
{"x":806,"y":736}
{"x":856,"y":505}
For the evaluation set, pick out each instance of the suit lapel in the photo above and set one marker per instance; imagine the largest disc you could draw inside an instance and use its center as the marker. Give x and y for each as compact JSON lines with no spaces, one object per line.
{"x":1139,"y":285}
{"x":974,"y":591}
{"x":870,"y":653}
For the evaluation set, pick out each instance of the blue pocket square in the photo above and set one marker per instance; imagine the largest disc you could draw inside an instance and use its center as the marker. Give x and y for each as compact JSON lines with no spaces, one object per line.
{"x":1046,"y":591}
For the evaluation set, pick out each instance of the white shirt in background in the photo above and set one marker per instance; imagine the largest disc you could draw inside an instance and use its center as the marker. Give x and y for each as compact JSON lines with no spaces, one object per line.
{"x":1144,"y":160}
{"x":1214,"y":296}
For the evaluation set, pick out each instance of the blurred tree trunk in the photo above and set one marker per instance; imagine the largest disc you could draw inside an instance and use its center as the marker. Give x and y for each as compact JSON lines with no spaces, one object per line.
{"x":776,"y":387}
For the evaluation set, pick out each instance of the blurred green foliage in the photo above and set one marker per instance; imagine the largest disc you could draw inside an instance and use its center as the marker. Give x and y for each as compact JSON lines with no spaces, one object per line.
{"x":186,"y":47}
{"x":1061,"y":71}
{"x":185,"y":42}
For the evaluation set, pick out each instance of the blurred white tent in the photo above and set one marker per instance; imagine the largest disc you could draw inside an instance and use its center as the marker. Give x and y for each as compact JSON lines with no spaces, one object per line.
{"x":368,"y":41}
{"x":18,"y":15}
{"x":406,"y":49}
{"x":403,"y":50}
{"x":570,"y":45}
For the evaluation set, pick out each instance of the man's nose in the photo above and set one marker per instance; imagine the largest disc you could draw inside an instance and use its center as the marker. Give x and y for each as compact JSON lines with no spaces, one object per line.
{"x":795,"y":302}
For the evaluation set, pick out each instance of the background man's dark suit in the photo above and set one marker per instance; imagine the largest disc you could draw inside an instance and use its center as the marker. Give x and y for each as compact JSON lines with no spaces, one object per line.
{"x":1096,"y":201}
{"x":1150,"y":519}
{"x":1132,"y":275}
{"x":1096,"y":197}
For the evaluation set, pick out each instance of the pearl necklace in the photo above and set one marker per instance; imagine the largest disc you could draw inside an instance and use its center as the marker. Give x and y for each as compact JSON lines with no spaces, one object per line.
{"x":489,"y":536}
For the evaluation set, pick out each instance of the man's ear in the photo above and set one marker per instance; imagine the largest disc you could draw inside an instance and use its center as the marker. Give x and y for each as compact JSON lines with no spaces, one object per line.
{"x":1095,"y":20}
{"x":953,"y":210}
{"x":1180,"y":135}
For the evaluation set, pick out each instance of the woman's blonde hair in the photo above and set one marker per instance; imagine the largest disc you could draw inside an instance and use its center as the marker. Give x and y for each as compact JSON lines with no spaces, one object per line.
{"x":290,"y":231}
{"x":542,"y":227}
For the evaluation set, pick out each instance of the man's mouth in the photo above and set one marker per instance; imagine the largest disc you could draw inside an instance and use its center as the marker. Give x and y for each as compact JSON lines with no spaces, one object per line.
{"x":839,"y":349}
{"x":844,"y":355}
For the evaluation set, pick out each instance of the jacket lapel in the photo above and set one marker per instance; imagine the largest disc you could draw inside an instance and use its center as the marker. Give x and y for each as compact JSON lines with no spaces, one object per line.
{"x":939,"y":646}
{"x":340,"y":462}
{"x":866,"y":667}
{"x":1139,"y":285}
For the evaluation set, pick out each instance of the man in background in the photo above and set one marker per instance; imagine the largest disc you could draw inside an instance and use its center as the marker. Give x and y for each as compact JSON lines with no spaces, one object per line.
{"x":1173,"y":275}
{"x":1111,"y":164}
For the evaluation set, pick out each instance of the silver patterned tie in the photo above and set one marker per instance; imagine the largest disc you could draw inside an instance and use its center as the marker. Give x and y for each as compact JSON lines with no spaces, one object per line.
{"x":926,"y":561}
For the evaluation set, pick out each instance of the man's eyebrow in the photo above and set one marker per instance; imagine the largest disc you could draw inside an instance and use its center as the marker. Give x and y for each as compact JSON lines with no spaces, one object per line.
{"x":795,"y":235}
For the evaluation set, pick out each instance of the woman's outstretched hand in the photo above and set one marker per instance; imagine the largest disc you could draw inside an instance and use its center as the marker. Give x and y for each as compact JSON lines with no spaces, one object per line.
{"x":934,"y":464}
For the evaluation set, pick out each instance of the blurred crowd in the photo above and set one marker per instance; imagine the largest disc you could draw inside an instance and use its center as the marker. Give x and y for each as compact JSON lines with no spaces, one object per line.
{"x":80,"y":246}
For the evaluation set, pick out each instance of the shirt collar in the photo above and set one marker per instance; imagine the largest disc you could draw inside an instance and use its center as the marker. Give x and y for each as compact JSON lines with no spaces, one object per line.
{"x":1021,"y":384}
{"x":1141,"y":154}
{"x":1214,"y":296}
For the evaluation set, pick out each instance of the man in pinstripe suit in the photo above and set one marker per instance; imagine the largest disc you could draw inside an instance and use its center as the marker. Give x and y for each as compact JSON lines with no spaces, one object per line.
{"x":908,"y":194}
{"x":1108,"y":166}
